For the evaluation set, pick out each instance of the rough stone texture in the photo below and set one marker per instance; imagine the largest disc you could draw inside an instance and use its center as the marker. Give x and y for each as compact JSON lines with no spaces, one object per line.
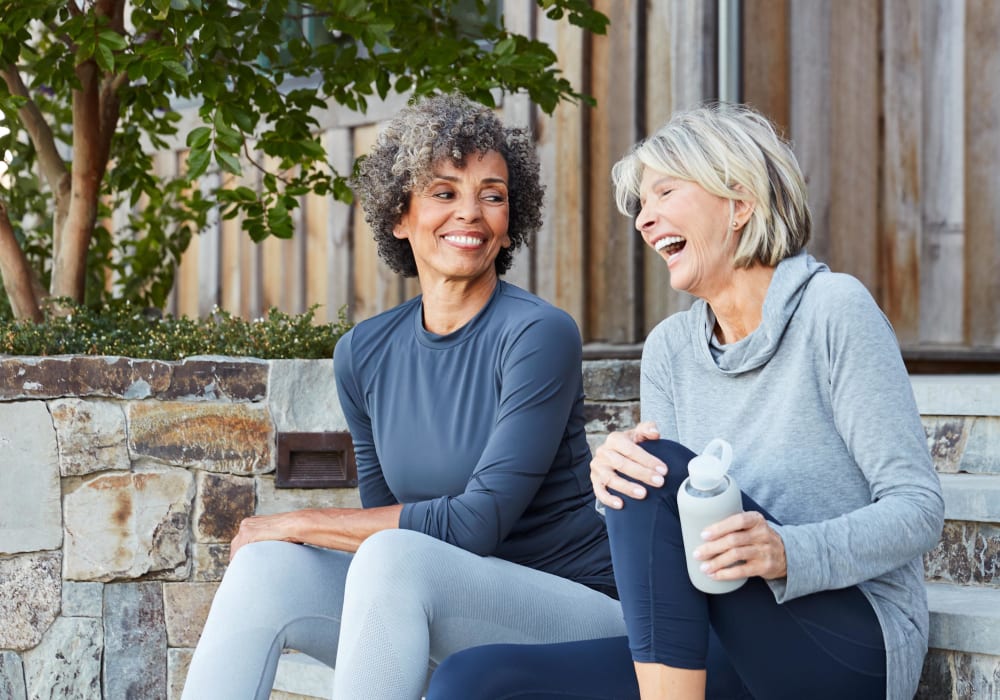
{"x":273,"y":500}
{"x":982,"y":451}
{"x":302,"y":396}
{"x":222,"y":502}
{"x":30,"y":512}
{"x":135,"y":641}
{"x":67,"y":664}
{"x":949,"y":674}
{"x":218,"y":379}
{"x":946,"y":438}
{"x":606,"y":417}
{"x":82,"y":599}
{"x":178,"y":662}
{"x":91,"y":436}
{"x":127,"y":525}
{"x":235,"y":438}
{"x":968,"y":553}
{"x":11,"y":677}
{"x":611,"y":380}
{"x":209,"y":561}
{"x":53,"y":377}
{"x":185,"y":607}
{"x":29,"y":598}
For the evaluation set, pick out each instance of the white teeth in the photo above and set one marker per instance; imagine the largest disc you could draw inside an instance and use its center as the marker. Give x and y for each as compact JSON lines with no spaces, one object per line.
{"x":667,"y":240}
{"x":465,"y":240}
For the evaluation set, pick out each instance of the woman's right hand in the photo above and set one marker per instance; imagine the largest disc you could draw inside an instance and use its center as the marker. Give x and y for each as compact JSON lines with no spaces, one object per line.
{"x":621,"y":456}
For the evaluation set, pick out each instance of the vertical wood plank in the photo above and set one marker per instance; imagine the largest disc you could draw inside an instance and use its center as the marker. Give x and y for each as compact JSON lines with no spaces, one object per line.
{"x":854,"y":186}
{"x":614,"y":305}
{"x":187,"y":271}
{"x":810,"y":114}
{"x":376,"y":287}
{"x":680,"y":73}
{"x":560,"y":246}
{"x":901,"y":221}
{"x":230,"y":265}
{"x":208,"y":249}
{"x":518,"y":111}
{"x":942,"y":258}
{"x":982,"y":173}
{"x":766,"y":66}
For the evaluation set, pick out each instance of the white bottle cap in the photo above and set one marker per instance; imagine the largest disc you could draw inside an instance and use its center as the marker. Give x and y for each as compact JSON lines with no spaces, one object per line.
{"x":706,"y":470}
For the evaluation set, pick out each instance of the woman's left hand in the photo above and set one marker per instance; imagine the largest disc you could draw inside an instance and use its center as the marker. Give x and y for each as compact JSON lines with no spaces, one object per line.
{"x":259,"y":528}
{"x":742,"y":545}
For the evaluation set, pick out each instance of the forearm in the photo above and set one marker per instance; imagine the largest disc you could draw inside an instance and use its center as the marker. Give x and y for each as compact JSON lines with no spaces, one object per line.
{"x":334,"y":528}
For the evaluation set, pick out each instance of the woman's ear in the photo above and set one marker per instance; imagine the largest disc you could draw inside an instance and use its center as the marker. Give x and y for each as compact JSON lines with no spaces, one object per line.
{"x":742,"y":209}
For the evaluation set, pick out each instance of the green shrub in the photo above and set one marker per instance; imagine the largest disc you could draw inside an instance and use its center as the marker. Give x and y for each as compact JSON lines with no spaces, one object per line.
{"x":125,"y":330}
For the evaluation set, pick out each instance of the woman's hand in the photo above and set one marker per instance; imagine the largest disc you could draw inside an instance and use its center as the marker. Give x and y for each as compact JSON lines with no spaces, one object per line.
{"x":742,"y":545}
{"x":259,"y":528}
{"x":621,"y":455}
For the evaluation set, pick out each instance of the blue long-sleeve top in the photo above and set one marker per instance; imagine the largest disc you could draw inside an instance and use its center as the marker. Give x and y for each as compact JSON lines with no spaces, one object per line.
{"x":478,"y":433}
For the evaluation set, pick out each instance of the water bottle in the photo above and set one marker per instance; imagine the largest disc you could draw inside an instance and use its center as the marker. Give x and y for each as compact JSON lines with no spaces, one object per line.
{"x":707,"y":496}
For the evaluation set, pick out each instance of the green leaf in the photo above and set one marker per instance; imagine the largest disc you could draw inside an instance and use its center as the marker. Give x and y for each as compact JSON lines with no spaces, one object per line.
{"x":228,"y":162}
{"x":199,"y":137}
{"x":197,"y":161}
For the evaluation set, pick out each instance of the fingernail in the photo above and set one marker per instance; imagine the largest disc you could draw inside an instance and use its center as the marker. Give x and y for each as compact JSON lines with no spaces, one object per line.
{"x":658,"y":480}
{"x":696,"y":554}
{"x":704,"y":567}
{"x":706,"y":535}
{"x":638,"y":491}
{"x":662,"y":469}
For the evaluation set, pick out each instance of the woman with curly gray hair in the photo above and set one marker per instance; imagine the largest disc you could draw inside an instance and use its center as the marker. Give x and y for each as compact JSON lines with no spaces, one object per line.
{"x":465,"y":406}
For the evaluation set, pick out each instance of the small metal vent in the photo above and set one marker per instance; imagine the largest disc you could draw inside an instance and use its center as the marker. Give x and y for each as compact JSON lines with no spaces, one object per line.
{"x":316,"y":461}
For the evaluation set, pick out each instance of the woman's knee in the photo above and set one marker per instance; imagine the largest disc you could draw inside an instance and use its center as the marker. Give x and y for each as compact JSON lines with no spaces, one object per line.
{"x":390,"y":557}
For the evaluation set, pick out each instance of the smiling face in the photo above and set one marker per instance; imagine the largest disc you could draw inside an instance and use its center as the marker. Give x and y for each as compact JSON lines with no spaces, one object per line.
{"x":457,"y":223}
{"x":690,"y":229}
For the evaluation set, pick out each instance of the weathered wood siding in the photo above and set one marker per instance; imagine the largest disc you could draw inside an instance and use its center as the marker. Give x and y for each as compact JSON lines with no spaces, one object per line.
{"x":893,"y":108}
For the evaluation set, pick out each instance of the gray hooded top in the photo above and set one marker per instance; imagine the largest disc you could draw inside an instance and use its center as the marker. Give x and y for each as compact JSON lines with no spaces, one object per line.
{"x":826,"y":436}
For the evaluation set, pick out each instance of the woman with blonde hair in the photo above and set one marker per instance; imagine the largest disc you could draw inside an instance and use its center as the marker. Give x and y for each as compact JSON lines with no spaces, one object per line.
{"x":799,"y":370}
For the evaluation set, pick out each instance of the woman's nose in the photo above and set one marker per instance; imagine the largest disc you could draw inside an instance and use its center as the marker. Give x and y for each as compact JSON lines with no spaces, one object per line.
{"x":469,"y":208}
{"x":643,"y":220}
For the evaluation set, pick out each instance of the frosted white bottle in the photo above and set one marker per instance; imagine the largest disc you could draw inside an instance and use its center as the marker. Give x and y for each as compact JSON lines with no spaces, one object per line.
{"x":707,"y":496}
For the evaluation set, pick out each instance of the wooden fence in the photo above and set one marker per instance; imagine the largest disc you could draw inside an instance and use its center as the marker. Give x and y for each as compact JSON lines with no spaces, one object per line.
{"x":893,"y":108}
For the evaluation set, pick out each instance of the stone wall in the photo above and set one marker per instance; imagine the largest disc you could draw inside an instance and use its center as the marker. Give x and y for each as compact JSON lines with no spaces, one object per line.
{"x":122,"y":482}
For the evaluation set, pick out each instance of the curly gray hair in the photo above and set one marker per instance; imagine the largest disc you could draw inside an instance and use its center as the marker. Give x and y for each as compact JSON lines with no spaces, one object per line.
{"x":422,"y":134}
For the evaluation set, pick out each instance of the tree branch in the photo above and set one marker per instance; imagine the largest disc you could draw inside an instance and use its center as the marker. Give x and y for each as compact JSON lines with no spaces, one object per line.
{"x":53,"y":166}
{"x":19,"y":279}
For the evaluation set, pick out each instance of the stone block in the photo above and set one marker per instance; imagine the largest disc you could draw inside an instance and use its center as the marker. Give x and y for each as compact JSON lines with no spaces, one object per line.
{"x":67,"y":664}
{"x":185,"y":607}
{"x":128,"y":525}
{"x":135,"y":641}
{"x":209,"y":561}
{"x":30,"y":510}
{"x":91,"y":436}
{"x":611,"y":380}
{"x":12,"y":677}
{"x":81,"y":376}
{"x":29,"y":598}
{"x":272,"y":500}
{"x":968,"y":553}
{"x":82,"y":599}
{"x":234,"y":438}
{"x":178,"y":662}
{"x":302,"y":397}
{"x":950,"y":674}
{"x":221,"y":504}
{"x":982,"y":450}
{"x":607,"y":416}
{"x":210,"y":378}
{"x":946,"y":438}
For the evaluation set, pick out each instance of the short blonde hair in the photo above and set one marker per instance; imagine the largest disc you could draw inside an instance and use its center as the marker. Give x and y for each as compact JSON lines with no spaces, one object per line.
{"x":732,"y":152}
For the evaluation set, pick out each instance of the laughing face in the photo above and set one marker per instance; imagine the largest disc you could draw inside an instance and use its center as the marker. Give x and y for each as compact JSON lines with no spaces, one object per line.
{"x":690,"y":229}
{"x":457,"y":223}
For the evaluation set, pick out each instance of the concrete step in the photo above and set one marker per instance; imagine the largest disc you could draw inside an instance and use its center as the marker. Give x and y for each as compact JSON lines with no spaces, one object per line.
{"x":964,"y":618}
{"x":957,"y":394}
{"x":974,"y":497}
{"x":301,"y":677}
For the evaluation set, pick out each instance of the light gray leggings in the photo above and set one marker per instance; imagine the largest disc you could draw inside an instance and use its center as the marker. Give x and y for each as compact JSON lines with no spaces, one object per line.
{"x":410,"y":600}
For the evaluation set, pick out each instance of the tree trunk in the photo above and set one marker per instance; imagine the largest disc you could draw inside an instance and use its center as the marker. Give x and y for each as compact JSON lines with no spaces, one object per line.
{"x":18,"y":277}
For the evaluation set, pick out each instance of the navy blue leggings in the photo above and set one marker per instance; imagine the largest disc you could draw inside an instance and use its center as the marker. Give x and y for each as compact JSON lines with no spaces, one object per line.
{"x":824,"y":645}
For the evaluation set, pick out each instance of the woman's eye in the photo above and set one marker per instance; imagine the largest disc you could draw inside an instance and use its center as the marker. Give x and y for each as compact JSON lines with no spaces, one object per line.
{"x":444,"y":194}
{"x":495,"y":197}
